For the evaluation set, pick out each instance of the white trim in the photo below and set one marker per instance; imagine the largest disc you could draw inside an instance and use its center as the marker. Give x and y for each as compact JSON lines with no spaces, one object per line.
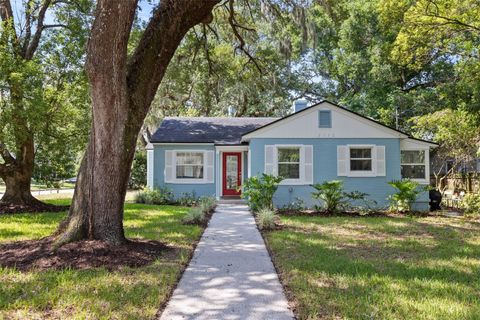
{"x":249,"y":163}
{"x":189,"y":180}
{"x":220,"y":192}
{"x":231,"y":148}
{"x":426,"y":180}
{"x":414,"y":143}
{"x":356,"y":173}
{"x":218,"y":173}
{"x":150,"y":168}
{"x":242,"y":167}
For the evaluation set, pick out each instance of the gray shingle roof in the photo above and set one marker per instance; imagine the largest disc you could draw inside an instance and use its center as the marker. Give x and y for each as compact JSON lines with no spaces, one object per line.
{"x":206,"y":129}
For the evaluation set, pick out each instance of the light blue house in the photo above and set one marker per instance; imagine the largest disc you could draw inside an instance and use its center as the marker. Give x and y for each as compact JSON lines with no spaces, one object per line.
{"x":213,"y":156}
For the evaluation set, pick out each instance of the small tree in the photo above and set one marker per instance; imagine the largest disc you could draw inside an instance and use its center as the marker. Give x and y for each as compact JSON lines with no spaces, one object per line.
{"x":457,"y":132}
{"x":259,"y":191}
{"x":138,"y":176}
{"x":406,"y":194}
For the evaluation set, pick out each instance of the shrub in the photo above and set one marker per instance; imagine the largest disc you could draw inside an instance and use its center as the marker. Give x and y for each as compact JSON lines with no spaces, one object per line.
{"x":266,"y":219}
{"x":194,"y":216}
{"x":360,"y":202}
{"x":188,"y":199}
{"x":331,"y":193}
{"x":138,"y":176}
{"x":259,"y":191}
{"x":471,"y":204}
{"x":296,"y":205}
{"x":407,"y":192}
{"x":335,"y":199}
{"x":207,"y":204}
{"x":160,"y":195}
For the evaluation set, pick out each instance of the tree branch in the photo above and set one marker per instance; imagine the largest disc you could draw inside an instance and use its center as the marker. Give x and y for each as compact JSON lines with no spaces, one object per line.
{"x":6,"y":11}
{"x":234,"y":24}
{"x":6,"y":155}
{"x":28,"y":25}
{"x":33,"y":45}
{"x":207,"y":51}
{"x":167,"y":27}
{"x":436,"y":14}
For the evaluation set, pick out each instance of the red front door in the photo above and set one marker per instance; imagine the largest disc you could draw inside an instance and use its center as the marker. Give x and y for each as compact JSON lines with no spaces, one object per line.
{"x":232,"y":173}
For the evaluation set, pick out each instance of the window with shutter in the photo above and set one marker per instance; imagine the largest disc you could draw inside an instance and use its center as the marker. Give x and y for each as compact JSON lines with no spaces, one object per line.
{"x":361,"y":161}
{"x":189,"y":166}
{"x":293,"y":162}
{"x":289,"y":162}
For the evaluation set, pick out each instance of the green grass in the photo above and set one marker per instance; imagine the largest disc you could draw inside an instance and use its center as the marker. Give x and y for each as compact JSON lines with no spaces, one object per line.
{"x":130,"y":293}
{"x":379,"y":268}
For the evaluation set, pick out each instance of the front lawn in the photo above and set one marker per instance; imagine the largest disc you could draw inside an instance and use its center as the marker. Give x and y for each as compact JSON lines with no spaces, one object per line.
{"x":379,"y":267}
{"x":127,"y":293}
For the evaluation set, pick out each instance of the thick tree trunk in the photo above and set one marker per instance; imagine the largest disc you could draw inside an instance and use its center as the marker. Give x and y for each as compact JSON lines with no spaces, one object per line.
{"x":17,"y":183}
{"x":17,"y":174}
{"x":97,"y":207}
{"x":121,"y":95}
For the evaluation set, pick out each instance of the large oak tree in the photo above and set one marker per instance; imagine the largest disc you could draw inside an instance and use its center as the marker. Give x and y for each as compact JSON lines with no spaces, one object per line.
{"x":40,"y":61}
{"x":122,"y":89}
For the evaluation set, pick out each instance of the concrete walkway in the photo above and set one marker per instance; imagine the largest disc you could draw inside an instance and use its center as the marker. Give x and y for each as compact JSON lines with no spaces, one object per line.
{"x":231,"y":275}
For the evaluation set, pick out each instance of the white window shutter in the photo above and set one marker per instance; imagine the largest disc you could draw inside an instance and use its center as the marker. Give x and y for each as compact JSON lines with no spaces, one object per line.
{"x":270,"y":161}
{"x":342,"y":160}
{"x":169,"y":166}
{"x":209,"y":166}
{"x":380,"y":161}
{"x":308,"y":162}
{"x":150,"y":169}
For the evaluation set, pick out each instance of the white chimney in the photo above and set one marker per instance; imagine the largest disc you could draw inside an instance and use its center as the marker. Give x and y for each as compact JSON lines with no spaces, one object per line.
{"x":299,"y":105}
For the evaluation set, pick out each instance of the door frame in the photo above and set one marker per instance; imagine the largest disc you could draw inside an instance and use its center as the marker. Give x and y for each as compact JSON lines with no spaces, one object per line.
{"x":224,"y":155}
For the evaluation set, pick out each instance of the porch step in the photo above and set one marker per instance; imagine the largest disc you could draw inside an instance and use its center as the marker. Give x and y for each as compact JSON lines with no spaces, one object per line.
{"x":232,"y":201}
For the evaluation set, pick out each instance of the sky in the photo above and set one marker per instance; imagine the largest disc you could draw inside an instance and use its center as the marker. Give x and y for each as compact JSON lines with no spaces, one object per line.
{"x":144,"y":11}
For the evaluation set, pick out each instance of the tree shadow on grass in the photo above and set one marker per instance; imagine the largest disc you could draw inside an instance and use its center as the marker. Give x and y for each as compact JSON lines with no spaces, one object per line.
{"x":387,"y":271}
{"x":133,"y":293}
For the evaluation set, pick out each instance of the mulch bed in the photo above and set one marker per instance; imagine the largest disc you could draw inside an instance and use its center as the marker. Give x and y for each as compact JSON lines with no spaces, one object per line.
{"x":311,"y":213}
{"x":36,"y":207}
{"x":40,"y":254}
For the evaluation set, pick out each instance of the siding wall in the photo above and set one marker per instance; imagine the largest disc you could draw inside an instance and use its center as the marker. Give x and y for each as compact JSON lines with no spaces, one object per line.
{"x":203,"y":189}
{"x":325,"y":168}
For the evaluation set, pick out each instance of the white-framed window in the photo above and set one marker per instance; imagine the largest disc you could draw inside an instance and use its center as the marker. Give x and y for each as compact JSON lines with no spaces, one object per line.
{"x":189,"y":165}
{"x":361,"y":159}
{"x":292,"y":162}
{"x":358,"y":160}
{"x":414,"y":164}
{"x":288,"y":162}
